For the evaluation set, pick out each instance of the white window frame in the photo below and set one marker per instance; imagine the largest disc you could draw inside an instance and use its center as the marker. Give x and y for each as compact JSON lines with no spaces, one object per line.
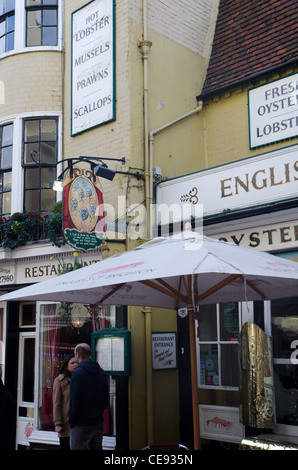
{"x":20,"y":31}
{"x":218,"y":342}
{"x":17,"y":191}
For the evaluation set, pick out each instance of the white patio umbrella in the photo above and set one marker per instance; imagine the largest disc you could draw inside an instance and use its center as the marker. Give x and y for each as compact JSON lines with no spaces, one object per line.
{"x":185,"y":270}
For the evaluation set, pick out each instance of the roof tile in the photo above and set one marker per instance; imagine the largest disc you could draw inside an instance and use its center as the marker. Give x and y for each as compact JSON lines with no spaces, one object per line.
{"x":251,"y":37}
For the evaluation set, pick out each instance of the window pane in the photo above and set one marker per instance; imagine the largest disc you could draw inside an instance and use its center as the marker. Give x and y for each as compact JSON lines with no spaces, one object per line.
{"x":7,"y":181}
{"x":50,"y":2}
{"x":209,"y":364}
{"x":49,"y":17}
{"x":284,"y":326}
{"x":10,"y":23}
{"x":7,"y":135}
{"x":50,"y":36}
{"x":47,"y":175}
{"x":28,"y":370}
{"x":32,"y":178}
{"x":2,"y":28}
{"x":33,"y":2}
{"x":229,"y":365}
{"x":31,"y":131}
{"x":6,"y":200}
{"x":34,"y":37}
{"x":28,"y":314}
{"x":58,"y":338}
{"x":2,"y":45}
{"x":286,"y":393}
{"x":9,"y":5}
{"x":48,"y":129}
{"x":31,"y":153}
{"x":229,"y":321}
{"x":10,"y":42}
{"x":34,"y":19}
{"x":208,"y":323}
{"x":47,"y":152}
{"x":32,"y":200}
{"x":6,"y":157}
{"x":48,"y":199}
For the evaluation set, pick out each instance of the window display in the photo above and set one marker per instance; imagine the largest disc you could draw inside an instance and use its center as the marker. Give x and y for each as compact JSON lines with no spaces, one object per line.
{"x":218,"y":345}
{"x":284,"y":332}
{"x":58,"y":337}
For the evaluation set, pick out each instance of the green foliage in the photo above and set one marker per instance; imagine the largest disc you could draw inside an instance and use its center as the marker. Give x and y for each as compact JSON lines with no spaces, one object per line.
{"x":21,"y":228}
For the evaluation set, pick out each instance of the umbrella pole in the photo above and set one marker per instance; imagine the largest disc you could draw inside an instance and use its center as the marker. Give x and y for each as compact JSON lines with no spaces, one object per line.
{"x":194,"y":380}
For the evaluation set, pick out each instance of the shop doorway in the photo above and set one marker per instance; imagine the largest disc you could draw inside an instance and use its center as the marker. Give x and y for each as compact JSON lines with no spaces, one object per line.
{"x":25,"y":393}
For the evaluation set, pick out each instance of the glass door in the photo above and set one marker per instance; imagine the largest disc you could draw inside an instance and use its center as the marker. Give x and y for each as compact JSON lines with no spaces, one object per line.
{"x":25,"y":397}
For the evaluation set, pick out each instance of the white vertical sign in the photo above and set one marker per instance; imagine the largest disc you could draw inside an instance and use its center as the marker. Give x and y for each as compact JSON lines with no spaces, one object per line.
{"x":273,"y":111}
{"x":93,"y":100}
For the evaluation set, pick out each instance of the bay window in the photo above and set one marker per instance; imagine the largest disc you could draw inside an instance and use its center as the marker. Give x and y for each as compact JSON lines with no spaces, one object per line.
{"x":30,"y":24}
{"x":6,"y":146}
{"x":7,"y":25}
{"x":42,"y":22}
{"x":40,"y":154}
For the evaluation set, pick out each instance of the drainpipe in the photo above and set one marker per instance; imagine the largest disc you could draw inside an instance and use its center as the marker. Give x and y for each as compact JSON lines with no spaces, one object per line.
{"x":144,"y":46}
{"x":151,"y":141}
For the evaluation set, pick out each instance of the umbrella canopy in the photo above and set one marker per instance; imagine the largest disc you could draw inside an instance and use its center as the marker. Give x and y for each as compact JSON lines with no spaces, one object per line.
{"x":179,"y":271}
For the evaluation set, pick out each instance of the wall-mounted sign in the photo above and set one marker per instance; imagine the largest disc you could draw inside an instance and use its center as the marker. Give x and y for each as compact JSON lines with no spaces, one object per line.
{"x":164,"y":351}
{"x":111,"y":348}
{"x":273,"y":111}
{"x":263,"y":179}
{"x":275,"y":236}
{"x":83,"y":220}
{"x":93,"y":87}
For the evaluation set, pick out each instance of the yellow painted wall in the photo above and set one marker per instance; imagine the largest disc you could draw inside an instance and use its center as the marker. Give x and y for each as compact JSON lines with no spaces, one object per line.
{"x":31,"y":82}
{"x":225,"y":126}
{"x":175,"y":77}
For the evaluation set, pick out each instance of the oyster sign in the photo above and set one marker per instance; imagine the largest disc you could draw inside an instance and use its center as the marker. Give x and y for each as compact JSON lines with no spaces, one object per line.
{"x":93,"y":100}
{"x":83,"y":220}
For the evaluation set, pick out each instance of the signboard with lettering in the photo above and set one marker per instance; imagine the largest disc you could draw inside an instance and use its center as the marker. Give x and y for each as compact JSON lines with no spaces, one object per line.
{"x":93,"y":87}
{"x":251,"y":182}
{"x":273,"y":111}
{"x":83,"y":220}
{"x":164,"y":351}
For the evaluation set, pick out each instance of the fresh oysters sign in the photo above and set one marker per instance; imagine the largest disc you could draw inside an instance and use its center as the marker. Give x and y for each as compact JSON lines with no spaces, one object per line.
{"x":93,"y":100}
{"x":83,"y":219}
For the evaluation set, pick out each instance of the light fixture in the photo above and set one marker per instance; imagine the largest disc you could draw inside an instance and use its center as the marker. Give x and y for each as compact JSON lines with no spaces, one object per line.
{"x":56,"y":185}
{"x":104,"y":172}
{"x":77,"y":322}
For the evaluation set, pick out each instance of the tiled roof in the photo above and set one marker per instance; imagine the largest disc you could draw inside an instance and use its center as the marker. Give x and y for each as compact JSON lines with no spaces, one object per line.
{"x":251,"y":37}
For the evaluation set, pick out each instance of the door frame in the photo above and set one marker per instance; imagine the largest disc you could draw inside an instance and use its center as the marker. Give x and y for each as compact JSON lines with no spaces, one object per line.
{"x":24,"y":424}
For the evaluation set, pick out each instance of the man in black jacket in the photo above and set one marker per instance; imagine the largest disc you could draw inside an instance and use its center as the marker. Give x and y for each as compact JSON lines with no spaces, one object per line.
{"x":89,"y":397}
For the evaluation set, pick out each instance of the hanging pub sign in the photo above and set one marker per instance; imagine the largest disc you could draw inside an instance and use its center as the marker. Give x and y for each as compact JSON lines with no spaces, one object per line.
{"x":83,"y":220}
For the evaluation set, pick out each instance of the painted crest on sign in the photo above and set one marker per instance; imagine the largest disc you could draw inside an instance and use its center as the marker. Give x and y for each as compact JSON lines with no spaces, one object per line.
{"x":83,"y":220}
